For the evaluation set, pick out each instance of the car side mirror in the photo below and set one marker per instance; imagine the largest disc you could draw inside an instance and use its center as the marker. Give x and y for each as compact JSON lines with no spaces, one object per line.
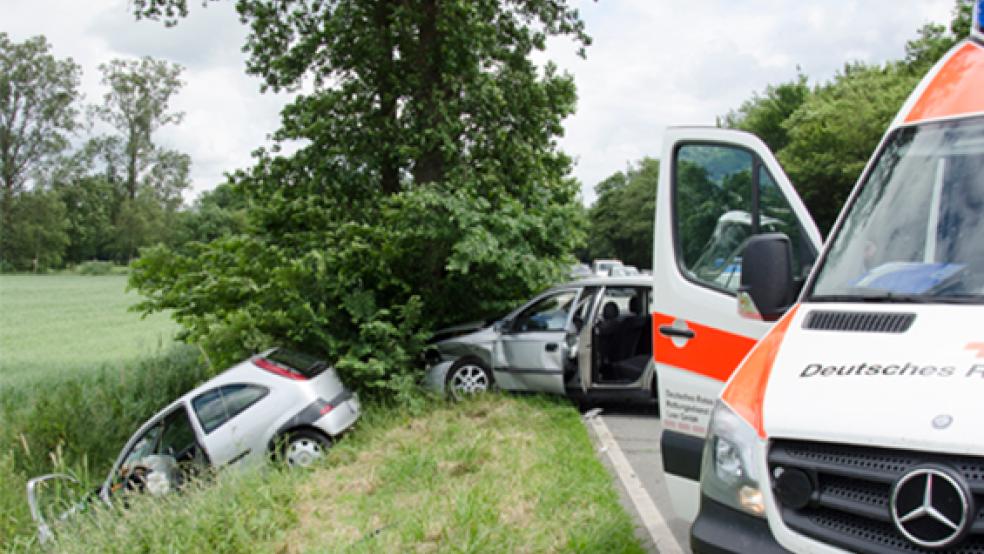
{"x":766,"y":277}
{"x":502,"y":326}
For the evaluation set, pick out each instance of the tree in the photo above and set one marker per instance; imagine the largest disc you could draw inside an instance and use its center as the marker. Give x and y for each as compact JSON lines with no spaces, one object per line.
{"x":430,"y":189}
{"x":765,"y":114}
{"x":824,"y":136}
{"x":37,"y":234}
{"x":136,"y":105}
{"x":933,"y":40}
{"x":90,"y":202}
{"x":37,"y":113}
{"x":621,"y":219}
{"x":836,"y":130}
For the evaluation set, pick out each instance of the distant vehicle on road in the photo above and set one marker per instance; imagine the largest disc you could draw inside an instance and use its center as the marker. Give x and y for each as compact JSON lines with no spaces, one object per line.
{"x":603,"y":267}
{"x":623,"y":271}
{"x":278,"y":404}
{"x":581,"y":271}
{"x":590,"y":337}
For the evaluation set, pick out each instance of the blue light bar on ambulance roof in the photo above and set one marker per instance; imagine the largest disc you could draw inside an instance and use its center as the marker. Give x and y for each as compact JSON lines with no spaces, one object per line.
{"x":977,"y":23}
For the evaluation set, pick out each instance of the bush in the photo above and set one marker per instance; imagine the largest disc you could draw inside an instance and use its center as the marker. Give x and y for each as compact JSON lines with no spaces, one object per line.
{"x":94,"y":267}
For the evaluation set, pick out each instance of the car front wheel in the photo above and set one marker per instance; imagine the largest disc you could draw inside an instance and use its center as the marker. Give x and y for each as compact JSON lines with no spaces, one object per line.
{"x":468,"y":376}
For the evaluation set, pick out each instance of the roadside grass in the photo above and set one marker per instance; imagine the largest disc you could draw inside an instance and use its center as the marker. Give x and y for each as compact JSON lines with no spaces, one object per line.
{"x":78,"y":422}
{"x":496,"y":474}
{"x":52,"y":326}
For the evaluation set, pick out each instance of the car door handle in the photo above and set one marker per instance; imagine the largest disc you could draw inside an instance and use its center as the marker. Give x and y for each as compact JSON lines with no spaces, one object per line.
{"x":551,"y":347}
{"x":669,"y":331}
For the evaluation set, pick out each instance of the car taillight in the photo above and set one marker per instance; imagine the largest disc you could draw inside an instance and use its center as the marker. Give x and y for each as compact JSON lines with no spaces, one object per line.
{"x":263,"y":363}
{"x":326,"y":408}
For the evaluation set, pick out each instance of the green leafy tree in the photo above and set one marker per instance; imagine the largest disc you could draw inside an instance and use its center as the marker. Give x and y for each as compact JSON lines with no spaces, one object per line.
{"x":215,"y":214}
{"x":824,"y":136}
{"x":142,"y":221}
{"x":38,"y":112}
{"x":621,"y":219}
{"x":37,"y":234}
{"x":835,"y":131}
{"x":765,"y":114}
{"x":136,"y":105}
{"x":90,"y":202}
{"x":933,"y":40}
{"x":430,"y":188}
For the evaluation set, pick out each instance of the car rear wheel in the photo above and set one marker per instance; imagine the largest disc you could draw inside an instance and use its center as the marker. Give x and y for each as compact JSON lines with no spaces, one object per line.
{"x":467,"y":377}
{"x":304,"y":447}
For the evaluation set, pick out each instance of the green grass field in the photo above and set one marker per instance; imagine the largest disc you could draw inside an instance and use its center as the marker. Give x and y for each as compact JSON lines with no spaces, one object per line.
{"x":51,"y":324}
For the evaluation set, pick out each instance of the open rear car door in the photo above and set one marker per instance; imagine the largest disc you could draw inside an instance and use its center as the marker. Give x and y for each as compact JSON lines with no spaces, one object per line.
{"x":718,"y":188}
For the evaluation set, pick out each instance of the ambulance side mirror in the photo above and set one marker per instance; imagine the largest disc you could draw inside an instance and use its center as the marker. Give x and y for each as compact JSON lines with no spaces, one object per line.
{"x":766,"y":277}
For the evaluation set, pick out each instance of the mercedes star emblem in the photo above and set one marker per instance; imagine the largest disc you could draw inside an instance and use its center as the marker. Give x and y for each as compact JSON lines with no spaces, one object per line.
{"x":931,"y":507}
{"x":942,"y":421}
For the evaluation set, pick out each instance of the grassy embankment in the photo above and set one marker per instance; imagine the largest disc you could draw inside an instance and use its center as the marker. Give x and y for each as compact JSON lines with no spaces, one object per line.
{"x":498,"y":474}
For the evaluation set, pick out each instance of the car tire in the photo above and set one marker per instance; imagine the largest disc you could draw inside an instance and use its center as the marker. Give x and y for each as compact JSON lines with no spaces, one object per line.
{"x":303,"y":448}
{"x":466,"y":377}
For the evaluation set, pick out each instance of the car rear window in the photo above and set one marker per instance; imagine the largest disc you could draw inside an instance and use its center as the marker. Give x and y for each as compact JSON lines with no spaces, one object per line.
{"x":297,"y":362}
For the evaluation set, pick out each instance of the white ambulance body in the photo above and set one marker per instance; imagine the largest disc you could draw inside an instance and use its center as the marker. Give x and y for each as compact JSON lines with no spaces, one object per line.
{"x":857,"y":423}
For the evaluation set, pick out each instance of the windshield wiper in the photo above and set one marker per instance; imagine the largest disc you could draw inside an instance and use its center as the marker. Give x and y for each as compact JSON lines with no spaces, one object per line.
{"x":895,"y":298}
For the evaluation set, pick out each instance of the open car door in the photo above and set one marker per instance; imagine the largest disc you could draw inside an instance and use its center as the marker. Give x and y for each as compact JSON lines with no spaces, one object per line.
{"x":530,"y":355}
{"x":718,"y":188}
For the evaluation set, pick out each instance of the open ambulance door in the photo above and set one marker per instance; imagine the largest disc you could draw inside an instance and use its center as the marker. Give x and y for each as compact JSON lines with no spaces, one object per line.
{"x":718,"y":188}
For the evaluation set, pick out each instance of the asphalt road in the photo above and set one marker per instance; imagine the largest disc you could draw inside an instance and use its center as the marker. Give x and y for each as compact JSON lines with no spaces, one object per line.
{"x":636,"y":429}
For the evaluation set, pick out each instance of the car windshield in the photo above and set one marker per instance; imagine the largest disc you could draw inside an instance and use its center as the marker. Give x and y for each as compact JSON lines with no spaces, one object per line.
{"x":915,"y":232}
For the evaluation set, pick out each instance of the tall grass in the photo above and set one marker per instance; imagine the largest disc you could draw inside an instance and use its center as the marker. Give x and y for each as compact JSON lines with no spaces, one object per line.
{"x":79,"y":423}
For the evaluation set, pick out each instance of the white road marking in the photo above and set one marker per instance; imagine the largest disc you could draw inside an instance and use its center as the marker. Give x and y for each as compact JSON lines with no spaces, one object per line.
{"x":650,"y":515}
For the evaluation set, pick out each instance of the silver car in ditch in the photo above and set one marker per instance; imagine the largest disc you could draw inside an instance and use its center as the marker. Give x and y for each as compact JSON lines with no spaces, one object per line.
{"x":278,"y":403}
{"x":591,"y":337}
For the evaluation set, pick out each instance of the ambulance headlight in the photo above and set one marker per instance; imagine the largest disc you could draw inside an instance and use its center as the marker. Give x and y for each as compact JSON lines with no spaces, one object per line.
{"x":728,"y":473}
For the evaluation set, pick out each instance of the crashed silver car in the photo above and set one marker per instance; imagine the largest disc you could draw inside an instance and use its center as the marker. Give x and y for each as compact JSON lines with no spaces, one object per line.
{"x":279,"y":403}
{"x":591,"y":337}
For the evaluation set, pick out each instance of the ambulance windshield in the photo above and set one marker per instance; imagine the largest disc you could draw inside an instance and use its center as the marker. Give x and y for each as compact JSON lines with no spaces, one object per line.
{"x":915,"y":233}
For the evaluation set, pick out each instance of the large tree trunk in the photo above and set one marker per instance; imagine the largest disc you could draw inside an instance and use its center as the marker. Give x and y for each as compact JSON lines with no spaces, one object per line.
{"x":132,"y":151}
{"x":429,"y":166}
{"x":389,"y":161}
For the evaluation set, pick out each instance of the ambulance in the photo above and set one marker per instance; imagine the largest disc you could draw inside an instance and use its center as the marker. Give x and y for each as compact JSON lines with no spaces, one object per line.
{"x":828,"y":398}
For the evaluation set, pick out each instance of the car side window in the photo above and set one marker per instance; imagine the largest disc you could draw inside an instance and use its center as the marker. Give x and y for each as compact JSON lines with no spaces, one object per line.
{"x":210,"y":410}
{"x":583,"y":309}
{"x":550,"y":313}
{"x":219,"y":405}
{"x":239,"y":397}
{"x":145,"y":445}
{"x":179,"y":437}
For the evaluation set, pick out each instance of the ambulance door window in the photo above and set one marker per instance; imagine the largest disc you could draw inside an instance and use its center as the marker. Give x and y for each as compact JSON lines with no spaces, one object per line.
{"x":777,"y":216}
{"x":714,"y":212}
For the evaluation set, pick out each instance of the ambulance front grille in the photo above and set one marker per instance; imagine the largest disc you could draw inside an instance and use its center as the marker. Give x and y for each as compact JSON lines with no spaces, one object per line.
{"x":865,"y":322}
{"x":849,"y":507}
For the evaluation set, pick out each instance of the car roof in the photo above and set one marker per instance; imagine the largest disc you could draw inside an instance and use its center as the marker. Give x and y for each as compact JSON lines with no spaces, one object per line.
{"x":242,"y":372}
{"x":628,"y":280}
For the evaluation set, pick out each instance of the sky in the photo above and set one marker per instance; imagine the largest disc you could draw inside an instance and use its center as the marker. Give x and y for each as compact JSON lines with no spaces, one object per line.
{"x":652,"y":64}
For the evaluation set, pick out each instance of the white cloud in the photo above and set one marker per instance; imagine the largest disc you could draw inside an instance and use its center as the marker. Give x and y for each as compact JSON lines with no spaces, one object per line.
{"x":660,"y":63}
{"x":653,"y":63}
